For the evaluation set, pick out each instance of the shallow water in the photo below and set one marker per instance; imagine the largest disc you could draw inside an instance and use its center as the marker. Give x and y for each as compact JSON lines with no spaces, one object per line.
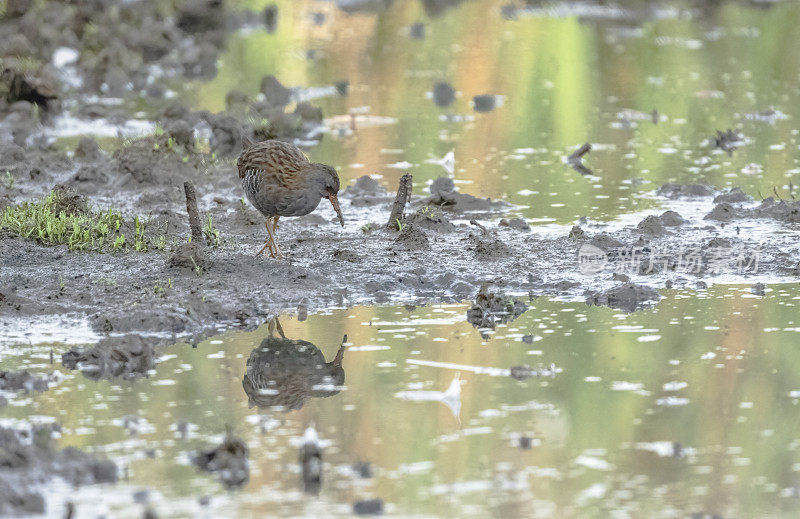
{"x":687,"y":407}
{"x":567,"y":75}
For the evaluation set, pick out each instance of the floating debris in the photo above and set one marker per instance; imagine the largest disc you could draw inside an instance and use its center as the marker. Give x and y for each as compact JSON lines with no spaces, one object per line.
{"x":450,"y":398}
{"x":228,"y":460}
{"x":728,"y":140}
{"x":443,"y":94}
{"x":575,"y":160}
{"x":491,"y":309}
{"x":311,"y":461}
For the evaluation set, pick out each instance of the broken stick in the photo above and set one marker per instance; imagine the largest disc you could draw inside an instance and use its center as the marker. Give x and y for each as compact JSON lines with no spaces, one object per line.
{"x":400,"y":201}
{"x":194,"y":215}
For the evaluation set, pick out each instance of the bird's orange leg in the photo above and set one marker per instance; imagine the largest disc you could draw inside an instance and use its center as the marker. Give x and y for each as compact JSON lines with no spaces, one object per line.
{"x":269,"y":242}
{"x":274,"y":232}
{"x":273,"y":246}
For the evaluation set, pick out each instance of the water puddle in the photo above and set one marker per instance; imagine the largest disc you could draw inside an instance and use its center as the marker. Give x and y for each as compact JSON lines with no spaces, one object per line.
{"x":684,"y":408}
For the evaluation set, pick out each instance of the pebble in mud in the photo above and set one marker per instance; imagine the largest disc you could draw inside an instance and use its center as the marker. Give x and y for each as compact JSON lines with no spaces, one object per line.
{"x":443,"y":94}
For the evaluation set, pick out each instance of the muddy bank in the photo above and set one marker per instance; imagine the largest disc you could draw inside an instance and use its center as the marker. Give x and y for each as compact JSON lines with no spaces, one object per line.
{"x":449,"y":245}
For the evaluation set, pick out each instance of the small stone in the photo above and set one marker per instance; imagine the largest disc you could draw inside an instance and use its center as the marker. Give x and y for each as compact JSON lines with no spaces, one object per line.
{"x":368,"y":507}
{"x":443,"y":94}
{"x":417,"y":31}
{"x":484,"y":103}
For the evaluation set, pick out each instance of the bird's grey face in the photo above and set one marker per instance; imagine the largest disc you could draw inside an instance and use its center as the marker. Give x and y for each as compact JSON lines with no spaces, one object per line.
{"x":328,"y":181}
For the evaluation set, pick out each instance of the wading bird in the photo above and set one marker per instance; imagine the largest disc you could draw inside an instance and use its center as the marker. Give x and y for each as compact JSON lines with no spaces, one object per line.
{"x":279,"y":180}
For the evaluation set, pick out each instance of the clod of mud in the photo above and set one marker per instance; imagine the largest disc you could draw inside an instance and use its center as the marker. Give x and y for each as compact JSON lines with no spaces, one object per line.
{"x":22,"y":380}
{"x":127,"y":357}
{"x":308,"y":112}
{"x":605,"y":242}
{"x":66,"y":200}
{"x":444,"y":194}
{"x":145,"y":161}
{"x":181,"y":131}
{"x":484,"y":103}
{"x":671,"y":219}
{"x":366,"y":192}
{"x":671,"y":190}
{"x":228,"y":460}
{"x":189,"y":256}
{"x":651,"y":226}
{"x":490,"y":248}
{"x":226,"y":134}
{"x":417,"y":31}
{"x":576,"y":233}
{"x":718,"y":243}
{"x":29,"y":459}
{"x":431,"y":219}
{"x":728,"y":140}
{"x":411,"y":238}
{"x":628,"y":297}
{"x":19,"y":85}
{"x":88,"y":149}
{"x":491,"y":309}
{"x":346,"y":255}
{"x":271,"y":18}
{"x":779,"y":210}
{"x":275,"y":94}
{"x":368,"y":507}
{"x":515,"y":223}
{"x":524,"y":372}
{"x":443,"y":94}
{"x":733,"y":196}
{"x":723,"y":212}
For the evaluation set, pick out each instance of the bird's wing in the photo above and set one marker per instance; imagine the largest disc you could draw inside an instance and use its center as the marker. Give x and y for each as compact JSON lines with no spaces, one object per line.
{"x":278,"y":162}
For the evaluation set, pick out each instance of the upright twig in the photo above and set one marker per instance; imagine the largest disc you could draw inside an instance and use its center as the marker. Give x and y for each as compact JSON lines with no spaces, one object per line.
{"x":400,"y":201}
{"x":194,"y":215}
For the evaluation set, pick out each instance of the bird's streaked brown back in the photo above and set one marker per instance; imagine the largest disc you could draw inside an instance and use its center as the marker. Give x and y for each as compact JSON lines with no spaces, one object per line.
{"x":277,"y":161}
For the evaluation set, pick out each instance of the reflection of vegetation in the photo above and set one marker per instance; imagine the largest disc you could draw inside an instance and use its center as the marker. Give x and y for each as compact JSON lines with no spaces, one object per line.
{"x":564,"y":81}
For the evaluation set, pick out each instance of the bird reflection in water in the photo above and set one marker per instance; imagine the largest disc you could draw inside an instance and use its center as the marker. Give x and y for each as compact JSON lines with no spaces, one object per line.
{"x":287,"y":372}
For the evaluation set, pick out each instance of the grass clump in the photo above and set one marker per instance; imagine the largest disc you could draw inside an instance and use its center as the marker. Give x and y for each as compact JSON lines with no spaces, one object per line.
{"x":64,"y":218}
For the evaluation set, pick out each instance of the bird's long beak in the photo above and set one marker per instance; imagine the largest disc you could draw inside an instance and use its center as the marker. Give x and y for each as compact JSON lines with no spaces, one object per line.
{"x":335,"y":203}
